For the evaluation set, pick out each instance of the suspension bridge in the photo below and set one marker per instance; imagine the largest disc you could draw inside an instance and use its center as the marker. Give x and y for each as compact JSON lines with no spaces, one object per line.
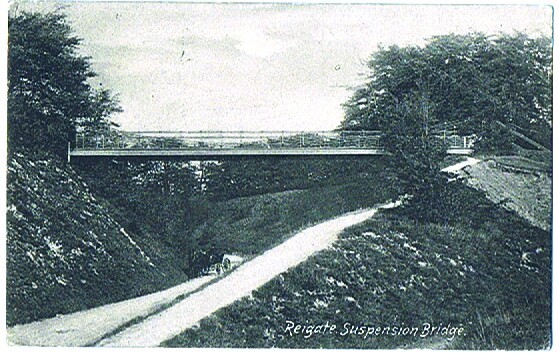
{"x":203,"y":145}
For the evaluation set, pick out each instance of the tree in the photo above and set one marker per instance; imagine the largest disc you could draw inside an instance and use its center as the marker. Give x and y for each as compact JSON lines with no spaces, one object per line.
{"x":103,"y":104}
{"x":358,"y":112}
{"x":522,"y":68}
{"x":49,"y":96}
{"x":471,"y":80}
{"x":416,"y":151}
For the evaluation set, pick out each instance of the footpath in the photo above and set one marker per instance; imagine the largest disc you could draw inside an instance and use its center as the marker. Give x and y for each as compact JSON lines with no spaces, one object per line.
{"x":84,"y":328}
{"x":238,"y":284}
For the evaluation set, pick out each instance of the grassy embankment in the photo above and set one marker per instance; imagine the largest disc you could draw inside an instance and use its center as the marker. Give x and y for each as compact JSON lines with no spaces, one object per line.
{"x":520,"y":184}
{"x":250,"y":225}
{"x":484,"y":269}
{"x":65,"y":251}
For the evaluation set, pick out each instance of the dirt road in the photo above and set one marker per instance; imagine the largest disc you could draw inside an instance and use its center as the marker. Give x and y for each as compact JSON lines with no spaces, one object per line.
{"x":457,"y":167}
{"x":92,"y":326}
{"x":240,"y":283}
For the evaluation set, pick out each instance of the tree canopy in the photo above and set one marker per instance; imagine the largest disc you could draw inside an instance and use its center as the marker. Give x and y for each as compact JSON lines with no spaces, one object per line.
{"x":49,"y":96}
{"x":471,"y":81}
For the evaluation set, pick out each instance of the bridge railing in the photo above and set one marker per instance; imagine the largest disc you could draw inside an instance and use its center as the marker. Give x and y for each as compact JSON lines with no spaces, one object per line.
{"x":455,"y":141}
{"x":163,"y":140}
{"x":227,"y":140}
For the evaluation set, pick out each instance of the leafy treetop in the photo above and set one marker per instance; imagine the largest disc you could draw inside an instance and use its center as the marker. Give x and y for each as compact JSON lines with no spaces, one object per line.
{"x":471,"y":80}
{"x":49,"y":96}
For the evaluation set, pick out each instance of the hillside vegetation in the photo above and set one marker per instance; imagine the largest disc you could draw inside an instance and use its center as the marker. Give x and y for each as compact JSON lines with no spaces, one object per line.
{"x":65,"y":250}
{"x":241,"y":207}
{"x":485,"y":270}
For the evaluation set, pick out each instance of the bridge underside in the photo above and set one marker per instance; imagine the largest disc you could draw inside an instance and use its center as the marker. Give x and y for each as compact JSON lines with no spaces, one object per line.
{"x":205,"y":154}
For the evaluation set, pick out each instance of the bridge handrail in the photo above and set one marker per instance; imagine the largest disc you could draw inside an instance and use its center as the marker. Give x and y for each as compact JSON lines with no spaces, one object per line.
{"x":227,"y":139}
{"x":345,"y":139}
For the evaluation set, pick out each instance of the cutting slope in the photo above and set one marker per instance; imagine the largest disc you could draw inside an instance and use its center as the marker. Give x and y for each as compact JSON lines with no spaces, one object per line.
{"x":527,"y":191}
{"x":64,"y":250}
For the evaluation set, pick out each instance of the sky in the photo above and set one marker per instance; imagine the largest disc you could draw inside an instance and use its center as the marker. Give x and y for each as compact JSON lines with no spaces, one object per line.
{"x":237,"y":67}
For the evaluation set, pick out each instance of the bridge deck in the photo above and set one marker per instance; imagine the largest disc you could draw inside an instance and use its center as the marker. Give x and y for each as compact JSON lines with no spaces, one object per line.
{"x":219,"y":153}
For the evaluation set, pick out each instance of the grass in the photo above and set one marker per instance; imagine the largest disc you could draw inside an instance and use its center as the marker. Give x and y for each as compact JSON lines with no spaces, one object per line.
{"x":490,"y":277}
{"x":535,"y":155}
{"x":250,"y":225}
{"x":523,"y":163}
{"x":527,"y":193}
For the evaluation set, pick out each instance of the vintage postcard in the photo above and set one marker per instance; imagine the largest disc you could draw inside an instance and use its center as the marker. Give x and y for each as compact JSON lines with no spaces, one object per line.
{"x":279,"y":175}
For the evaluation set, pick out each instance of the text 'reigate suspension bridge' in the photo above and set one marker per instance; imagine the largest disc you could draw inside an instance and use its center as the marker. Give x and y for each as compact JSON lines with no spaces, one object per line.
{"x":223,"y":144}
